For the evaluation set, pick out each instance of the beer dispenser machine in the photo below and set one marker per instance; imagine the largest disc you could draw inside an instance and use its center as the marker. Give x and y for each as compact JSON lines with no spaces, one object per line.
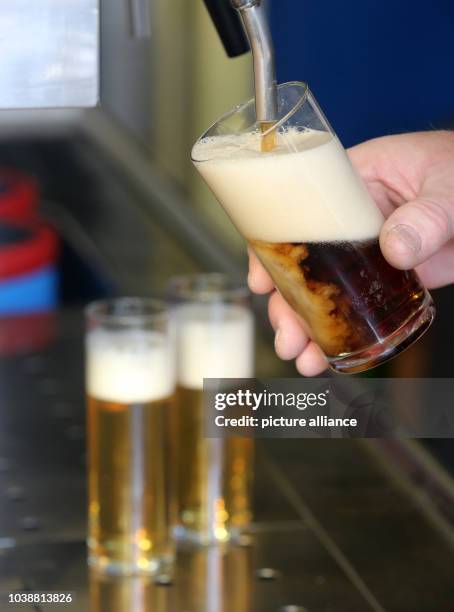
{"x":50,"y":54}
{"x":50,"y":49}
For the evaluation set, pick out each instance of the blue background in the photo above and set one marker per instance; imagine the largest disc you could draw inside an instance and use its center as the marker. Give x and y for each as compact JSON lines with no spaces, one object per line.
{"x":376,"y":67}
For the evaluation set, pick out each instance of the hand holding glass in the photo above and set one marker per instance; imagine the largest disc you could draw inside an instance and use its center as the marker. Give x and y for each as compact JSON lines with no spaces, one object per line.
{"x":312,"y":223}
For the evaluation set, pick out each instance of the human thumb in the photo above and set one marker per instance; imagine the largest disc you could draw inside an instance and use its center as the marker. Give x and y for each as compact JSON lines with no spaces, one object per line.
{"x":415,"y":231}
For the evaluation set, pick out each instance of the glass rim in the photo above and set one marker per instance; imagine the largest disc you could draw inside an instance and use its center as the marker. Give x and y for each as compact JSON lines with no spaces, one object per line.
{"x":190,"y":287}
{"x":240,"y":108}
{"x":148,"y":310}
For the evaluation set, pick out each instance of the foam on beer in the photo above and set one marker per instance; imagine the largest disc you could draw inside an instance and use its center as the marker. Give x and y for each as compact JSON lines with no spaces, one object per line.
{"x":305,"y":190}
{"x":214,"y":341}
{"x":129,"y":366}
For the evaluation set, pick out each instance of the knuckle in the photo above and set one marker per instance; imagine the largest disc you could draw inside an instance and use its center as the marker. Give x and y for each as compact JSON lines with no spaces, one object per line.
{"x":437,"y":218}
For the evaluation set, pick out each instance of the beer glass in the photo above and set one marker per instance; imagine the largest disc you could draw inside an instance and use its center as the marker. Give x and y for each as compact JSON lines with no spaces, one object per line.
{"x":130,"y":383}
{"x":312,"y":223}
{"x":215,"y":339}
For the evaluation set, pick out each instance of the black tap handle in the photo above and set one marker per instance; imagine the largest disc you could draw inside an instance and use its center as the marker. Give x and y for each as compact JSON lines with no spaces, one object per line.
{"x":229,"y":26}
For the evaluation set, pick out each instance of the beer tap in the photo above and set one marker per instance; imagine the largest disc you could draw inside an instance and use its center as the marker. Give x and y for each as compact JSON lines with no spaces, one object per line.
{"x":255,"y":22}
{"x":232,"y":19}
{"x":229,"y":27}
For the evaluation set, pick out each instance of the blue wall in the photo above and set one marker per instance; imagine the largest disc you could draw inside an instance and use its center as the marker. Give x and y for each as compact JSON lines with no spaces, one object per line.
{"x":376,"y":66}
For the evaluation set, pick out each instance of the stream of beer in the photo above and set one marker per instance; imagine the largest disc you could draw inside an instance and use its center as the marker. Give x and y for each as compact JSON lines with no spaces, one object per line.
{"x":268,"y":140}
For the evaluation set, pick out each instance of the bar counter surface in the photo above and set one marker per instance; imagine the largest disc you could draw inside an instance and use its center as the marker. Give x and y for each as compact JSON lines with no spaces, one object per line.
{"x":336,"y":528}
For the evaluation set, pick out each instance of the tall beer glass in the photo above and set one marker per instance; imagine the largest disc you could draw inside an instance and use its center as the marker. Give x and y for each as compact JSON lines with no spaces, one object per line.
{"x":130,"y":381}
{"x":215,"y":339}
{"x":312,"y":223}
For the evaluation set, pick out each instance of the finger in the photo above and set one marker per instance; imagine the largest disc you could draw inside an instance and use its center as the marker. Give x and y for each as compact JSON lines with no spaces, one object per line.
{"x":311,"y":361}
{"x":438,"y":271}
{"x":364,"y":159}
{"x":258,"y":278}
{"x":415,"y":231}
{"x":290,"y":339}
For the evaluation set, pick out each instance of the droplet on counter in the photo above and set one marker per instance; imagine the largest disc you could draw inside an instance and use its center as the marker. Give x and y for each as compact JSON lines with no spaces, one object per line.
{"x":7,"y":543}
{"x":30,"y":523}
{"x":267,"y":573}
{"x":163,"y":580}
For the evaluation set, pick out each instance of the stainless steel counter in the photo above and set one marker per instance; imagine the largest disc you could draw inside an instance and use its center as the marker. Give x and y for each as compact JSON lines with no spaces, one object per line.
{"x":336,"y":529}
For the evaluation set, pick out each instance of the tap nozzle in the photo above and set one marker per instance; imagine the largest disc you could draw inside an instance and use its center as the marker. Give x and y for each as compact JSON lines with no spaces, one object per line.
{"x":258,"y":31}
{"x":242,"y":4}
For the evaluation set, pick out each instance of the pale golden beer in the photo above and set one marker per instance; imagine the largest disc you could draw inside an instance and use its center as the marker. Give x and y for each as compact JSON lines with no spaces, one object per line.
{"x":215,"y":339}
{"x":129,"y":514}
{"x":130,"y":399}
{"x":210,"y":507}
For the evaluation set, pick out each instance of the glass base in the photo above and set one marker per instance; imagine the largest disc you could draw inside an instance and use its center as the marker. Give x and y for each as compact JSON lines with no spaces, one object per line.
{"x":184,"y":535}
{"x":389,"y":348}
{"x":156,"y":567}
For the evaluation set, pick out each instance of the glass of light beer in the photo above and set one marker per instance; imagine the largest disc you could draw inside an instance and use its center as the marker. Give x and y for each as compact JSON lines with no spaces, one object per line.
{"x":130,"y":383}
{"x":312,"y":223}
{"x":215,"y":339}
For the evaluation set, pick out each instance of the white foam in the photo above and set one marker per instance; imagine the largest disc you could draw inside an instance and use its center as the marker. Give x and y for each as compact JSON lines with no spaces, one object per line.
{"x":129,"y":366}
{"x":304,"y":191}
{"x":214,"y":341}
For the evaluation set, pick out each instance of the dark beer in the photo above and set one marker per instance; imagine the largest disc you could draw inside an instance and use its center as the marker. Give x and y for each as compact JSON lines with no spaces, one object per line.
{"x":315,"y":227}
{"x":347,"y":293}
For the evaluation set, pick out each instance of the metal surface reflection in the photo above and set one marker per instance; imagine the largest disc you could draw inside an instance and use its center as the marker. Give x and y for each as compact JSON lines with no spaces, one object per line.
{"x":218,"y":579}
{"x":131,"y":594}
{"x":50,"y":54}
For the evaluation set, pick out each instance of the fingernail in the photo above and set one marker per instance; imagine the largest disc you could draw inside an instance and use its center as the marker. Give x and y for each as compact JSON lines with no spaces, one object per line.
{"x":408,"y":237}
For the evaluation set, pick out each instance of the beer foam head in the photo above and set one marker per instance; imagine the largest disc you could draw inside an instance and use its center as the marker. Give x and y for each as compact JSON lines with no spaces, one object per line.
{"x":305,"y":190}
{"x":214,"y":341}
{"x":129,"y":366}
